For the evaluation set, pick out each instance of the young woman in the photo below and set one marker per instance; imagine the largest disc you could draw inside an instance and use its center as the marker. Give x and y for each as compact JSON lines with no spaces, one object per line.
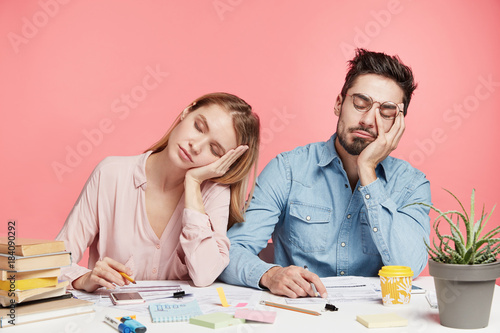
{"x":164,"y":214}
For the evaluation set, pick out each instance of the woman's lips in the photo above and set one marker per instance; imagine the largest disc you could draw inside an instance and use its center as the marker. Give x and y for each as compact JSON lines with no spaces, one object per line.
{"x":185,"y":155}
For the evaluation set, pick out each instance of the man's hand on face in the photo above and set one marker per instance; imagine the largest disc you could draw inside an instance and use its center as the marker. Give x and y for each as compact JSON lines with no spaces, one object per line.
{"x":379,"y":149}
{"x":292,"y":281}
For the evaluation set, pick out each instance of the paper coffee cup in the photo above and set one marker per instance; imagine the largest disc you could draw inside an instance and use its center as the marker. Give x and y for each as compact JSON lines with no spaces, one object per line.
{"x":396,"y":284}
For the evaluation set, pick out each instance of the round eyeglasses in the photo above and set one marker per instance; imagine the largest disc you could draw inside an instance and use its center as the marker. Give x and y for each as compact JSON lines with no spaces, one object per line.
{"x":364,"y":103}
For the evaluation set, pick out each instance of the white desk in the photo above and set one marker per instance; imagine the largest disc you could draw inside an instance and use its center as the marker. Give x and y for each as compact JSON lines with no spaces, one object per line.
{"x":419,"y":314}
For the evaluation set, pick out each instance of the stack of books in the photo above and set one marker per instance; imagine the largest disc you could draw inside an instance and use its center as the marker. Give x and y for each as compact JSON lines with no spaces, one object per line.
{"x":29,"y":280}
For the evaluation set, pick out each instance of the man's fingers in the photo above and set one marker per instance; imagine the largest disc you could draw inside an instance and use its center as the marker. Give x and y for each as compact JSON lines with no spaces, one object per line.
{"x":288,"y":289}
{"x":320,"y":287}
{"x":397,"y":130}
{"x":316,"y":281}
{"x":380,"y":125}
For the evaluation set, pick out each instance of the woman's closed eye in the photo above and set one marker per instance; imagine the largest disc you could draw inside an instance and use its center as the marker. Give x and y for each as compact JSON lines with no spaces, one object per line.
{"x":215,"y":148}
{"x":199,"y":126}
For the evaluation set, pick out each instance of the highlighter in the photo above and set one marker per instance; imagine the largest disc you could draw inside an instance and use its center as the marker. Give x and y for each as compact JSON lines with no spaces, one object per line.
{"x":126,"y":325}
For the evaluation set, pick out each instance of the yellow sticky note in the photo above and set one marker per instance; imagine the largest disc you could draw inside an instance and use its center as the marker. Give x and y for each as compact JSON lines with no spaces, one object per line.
{"x":382,"y":320}
{"x":222,"y":297}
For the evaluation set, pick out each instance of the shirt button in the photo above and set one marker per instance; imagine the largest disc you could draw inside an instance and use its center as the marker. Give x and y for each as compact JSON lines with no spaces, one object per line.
{"x":154,"y":271}
{"x":348,"y":216}
{"x":375,"y":229}
{"x":158,"y":246}
{"x":342,"y":244}
{"x":346,"y":186}
{"x":308,"y":218}
{"x":367,"y":196}
{"x":342,"y":272}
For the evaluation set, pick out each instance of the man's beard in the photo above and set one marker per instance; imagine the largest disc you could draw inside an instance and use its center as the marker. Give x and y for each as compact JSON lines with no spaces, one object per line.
{"x":357,"y":145}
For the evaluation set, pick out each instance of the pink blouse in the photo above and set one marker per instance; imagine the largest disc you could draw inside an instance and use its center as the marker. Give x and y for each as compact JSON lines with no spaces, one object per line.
{"x":110,"y":218}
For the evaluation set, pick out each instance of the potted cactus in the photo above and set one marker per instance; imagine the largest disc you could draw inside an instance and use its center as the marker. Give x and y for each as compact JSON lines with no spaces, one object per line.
{"x":464,"y":266}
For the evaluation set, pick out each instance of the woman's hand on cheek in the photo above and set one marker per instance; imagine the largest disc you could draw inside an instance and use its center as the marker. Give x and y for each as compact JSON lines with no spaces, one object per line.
{"x":217,"y":168}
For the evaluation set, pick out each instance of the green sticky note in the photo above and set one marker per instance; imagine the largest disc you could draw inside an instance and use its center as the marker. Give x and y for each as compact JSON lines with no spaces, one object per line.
{"x":216,"y":320}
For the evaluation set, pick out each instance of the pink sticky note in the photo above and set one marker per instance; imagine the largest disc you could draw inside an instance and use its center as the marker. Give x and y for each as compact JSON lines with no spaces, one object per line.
{"x":241,"y":305}
{"x":256,"y":315}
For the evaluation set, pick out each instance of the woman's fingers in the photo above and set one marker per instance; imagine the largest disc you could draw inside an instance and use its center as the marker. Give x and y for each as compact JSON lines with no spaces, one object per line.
{"x":107,"y":273}
{"x":230,"y":157}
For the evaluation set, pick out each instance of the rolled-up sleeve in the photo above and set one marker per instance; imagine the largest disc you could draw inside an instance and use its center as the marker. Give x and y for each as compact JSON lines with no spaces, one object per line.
{"x":250,"y":237}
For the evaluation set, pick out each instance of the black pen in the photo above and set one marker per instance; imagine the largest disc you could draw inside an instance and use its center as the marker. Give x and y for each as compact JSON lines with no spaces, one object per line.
{"x":316,"y":294}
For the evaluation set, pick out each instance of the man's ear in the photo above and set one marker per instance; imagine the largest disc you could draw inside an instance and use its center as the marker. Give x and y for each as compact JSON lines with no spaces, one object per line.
{"x":338,"y":105}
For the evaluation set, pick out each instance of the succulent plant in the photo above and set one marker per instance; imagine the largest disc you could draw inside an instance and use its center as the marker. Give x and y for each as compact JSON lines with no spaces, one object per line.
{"x":465,"y":249}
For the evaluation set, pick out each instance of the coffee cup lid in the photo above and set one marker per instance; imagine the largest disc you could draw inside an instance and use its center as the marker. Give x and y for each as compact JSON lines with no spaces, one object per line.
{"x":394,"y":271}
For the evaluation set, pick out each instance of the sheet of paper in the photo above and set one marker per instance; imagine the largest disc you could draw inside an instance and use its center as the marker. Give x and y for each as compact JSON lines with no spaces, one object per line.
{"x":151,"y":291}
{"x":162,"y":291}
{"x":209,"y":300}
{"x":344,"y":289}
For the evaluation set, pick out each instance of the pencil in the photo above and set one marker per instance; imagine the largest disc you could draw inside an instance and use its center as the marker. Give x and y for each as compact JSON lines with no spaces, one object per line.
{"x":127,"y":277}
{"x":291,"y":308}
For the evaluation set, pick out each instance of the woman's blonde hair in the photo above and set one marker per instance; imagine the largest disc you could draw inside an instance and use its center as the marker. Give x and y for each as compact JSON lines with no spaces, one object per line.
{"x":247,"y":127}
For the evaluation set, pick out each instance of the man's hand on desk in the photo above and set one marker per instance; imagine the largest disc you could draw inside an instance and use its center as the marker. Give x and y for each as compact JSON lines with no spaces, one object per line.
{"x":106,"y":273}
{"x":292,"y":281}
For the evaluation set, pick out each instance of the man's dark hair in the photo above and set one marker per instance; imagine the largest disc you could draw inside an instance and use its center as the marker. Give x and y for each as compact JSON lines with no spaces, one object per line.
{"x":367,"y":62}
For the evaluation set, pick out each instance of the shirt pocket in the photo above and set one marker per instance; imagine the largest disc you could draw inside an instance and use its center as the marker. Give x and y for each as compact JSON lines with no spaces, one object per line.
{"x":369,"y":246}
{"x":309,"y":226}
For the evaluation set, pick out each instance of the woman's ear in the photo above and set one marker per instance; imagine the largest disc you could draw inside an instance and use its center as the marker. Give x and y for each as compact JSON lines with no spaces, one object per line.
{"x":187,"y":110}
{"x":338,"y":105}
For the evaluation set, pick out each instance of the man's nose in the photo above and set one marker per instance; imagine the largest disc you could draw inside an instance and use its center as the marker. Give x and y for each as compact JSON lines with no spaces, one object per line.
{"x":368,"y":118}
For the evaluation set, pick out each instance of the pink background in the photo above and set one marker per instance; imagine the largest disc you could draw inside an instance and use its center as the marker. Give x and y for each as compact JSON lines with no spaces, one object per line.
{"x":69,"y":68}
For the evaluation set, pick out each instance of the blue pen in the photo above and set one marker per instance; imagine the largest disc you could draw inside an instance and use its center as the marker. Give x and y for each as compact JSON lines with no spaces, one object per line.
{"x":126,"y":325}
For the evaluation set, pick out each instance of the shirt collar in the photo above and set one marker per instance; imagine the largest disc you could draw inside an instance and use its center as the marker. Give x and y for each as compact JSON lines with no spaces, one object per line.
{"x":140,"y":170}
{"x":329,"y":154}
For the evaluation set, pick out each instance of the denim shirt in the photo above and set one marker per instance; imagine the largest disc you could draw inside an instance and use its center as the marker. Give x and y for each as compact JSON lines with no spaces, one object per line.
{"x":303,"y":200}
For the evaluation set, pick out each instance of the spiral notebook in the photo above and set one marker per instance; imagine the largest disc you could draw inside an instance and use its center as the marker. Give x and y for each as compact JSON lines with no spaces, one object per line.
{"x":171,"y":312}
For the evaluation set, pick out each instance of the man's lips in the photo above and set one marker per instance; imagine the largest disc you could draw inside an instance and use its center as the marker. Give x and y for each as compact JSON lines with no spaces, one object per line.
{"x":185,"y":155}
{"x":363,"y":134}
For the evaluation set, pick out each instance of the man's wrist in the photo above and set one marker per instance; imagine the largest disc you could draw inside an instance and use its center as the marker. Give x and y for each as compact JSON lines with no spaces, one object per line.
{"x":267,"y":276}
{"x":367,"y":175}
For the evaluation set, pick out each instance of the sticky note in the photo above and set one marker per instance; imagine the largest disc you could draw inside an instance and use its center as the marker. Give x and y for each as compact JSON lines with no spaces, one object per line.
{"x":382,"y":320}
{"x":222,"y":297}
{"x":216,"y":320}
{"x":256,"y":315}
{"x":241,"y":305}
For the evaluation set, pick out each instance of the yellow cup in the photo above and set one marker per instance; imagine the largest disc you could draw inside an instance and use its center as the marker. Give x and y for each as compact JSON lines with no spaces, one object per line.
{"x":396,"y":284}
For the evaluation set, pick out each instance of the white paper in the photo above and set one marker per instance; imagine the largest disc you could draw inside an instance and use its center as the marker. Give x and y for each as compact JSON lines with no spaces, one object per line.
{"x":152,"y":291}
{"x":343,"y":289}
